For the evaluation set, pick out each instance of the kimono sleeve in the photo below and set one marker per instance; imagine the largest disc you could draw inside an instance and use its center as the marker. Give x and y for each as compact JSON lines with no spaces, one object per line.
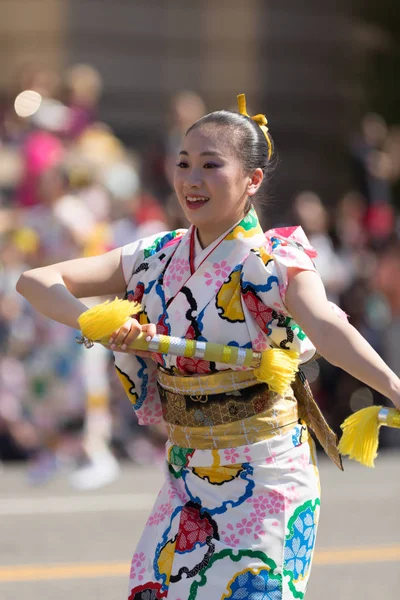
{"x":132,"y":255}
{"x":139,"y":375}
{"x":289,"y":248}
{"x":139,"y":380}
{"x":264,"y":285}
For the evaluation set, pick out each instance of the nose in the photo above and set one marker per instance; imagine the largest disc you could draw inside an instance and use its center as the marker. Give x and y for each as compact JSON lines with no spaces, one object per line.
{"x":193,"y":178}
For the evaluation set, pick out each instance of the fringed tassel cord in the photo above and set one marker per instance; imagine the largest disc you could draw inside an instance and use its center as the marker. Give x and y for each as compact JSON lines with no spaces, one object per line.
{"x":361,"y":432}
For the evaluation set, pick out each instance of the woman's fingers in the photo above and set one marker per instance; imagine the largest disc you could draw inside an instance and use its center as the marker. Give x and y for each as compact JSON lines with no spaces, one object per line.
{"x":149,"y":330}
{"x":132,"y":334}
{"x":125,"y":334}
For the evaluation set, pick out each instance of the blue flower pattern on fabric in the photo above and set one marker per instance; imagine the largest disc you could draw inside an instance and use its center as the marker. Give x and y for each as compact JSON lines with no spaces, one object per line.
{"x":275,"y":242}
{"x":251,"y":586}
{"x":144,"y":378}
{"x":300,"y":542}
{"x":296,"y":436}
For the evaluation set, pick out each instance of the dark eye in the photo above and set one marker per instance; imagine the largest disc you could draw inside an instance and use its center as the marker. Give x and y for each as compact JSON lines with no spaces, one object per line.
{"x":210,"y":165}
{"x":182,"y":165}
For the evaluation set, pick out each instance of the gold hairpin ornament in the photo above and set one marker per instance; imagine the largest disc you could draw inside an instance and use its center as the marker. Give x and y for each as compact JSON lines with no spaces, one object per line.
{"x":260,"y":119}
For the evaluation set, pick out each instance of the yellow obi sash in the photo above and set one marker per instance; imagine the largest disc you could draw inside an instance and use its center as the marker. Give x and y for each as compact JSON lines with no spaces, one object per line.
{"x":256,"y":418}
{"x":232,"y":435}
{"x":217,"y":383}
{"x":209,"y":411}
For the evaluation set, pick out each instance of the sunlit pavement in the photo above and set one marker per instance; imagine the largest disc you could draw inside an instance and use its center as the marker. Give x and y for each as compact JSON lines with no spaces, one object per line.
{"x":56,"y":543}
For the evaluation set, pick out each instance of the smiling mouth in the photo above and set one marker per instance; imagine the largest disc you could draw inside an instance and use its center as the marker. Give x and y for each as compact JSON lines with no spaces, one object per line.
{"x":194,"y":202}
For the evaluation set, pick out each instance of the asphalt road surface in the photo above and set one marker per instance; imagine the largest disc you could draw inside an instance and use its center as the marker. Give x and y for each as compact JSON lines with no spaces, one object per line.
{"x":57,"y":544}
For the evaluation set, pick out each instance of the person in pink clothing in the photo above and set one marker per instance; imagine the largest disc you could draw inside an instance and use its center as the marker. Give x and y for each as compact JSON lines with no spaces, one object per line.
{"x":41,"y":151}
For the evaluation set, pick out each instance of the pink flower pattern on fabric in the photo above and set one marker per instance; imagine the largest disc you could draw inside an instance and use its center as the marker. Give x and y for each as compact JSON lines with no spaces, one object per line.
{"x":164,"y":511}
{"x":210,"y":279}
{"x":247,"y":455}
{"x":291,"y":495}
{"x":180,"y":494}
{"x":151,"y":416}
{"x":178,"y":268}
{"x":301,"y":462}
{"x":258,"y":531}
{"x":287,"y":253}
{"x":244,"y":526}
{"x":137,"y":561}
{"x":222,"y":269}
{"x":269,"y":504}
{"x":270,"y":459}
{"x":151,"y":411}
{"x":221,"y":272}
{"x":231,"y":455}
{"x":260,"y":344}
{"x":229,"y":537}
{"x":276,"y":502}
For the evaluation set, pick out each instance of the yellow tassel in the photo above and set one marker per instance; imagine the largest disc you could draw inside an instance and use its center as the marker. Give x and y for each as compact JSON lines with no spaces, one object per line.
{"x":100,"y":321}
{"x":360,"y":435}
{"x":278,"y":368}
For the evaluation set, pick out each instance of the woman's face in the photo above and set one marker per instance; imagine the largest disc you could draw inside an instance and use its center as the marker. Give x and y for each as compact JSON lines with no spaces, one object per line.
{"x":210,"y":183}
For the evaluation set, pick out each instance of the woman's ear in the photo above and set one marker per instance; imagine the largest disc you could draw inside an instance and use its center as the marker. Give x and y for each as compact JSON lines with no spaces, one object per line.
{"x":255,"y":181}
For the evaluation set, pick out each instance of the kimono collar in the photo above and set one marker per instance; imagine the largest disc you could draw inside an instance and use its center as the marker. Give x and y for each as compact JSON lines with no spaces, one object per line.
{"x":201,"y":279}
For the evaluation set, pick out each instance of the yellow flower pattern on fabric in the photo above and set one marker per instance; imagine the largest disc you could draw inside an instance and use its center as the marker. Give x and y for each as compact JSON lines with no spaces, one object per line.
{"x":166,"y":559}
{"x":218,"y":475}
{"x":265,"y":257}
{"x":143,"y":318}
{"x":128,"y":386}
{"x":229,"y":302}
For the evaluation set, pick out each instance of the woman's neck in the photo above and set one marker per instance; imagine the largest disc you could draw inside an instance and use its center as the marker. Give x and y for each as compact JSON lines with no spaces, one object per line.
{"x":206,"y":238}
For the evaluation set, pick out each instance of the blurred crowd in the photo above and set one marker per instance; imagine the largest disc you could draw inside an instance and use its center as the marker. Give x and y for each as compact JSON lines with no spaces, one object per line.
{"x":69,"y":187}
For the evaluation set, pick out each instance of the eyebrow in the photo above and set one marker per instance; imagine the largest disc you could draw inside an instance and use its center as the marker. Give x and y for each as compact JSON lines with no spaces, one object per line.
{"x":207,"y":153}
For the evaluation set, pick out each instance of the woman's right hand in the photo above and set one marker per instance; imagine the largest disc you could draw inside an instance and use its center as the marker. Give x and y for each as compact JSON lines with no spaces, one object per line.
{"x":121,"y":338}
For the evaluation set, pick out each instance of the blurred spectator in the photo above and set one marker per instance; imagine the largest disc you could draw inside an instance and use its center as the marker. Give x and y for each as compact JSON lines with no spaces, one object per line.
{"x":41,"y":151}
{"x":83,"y":87}
{"x":388,"y":283}
{"x":185,"y":108}
{"x":372,"y":171}
{"x":68,"y":188}
{"x":310,"y":213}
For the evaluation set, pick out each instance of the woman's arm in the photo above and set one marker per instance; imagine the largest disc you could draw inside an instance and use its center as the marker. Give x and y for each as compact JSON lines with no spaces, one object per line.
{"x":335,"y":339}
{"x":54,"y":290}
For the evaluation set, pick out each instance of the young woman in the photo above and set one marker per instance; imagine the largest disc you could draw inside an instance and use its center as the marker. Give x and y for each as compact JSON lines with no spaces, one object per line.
{"x":238,"y":512}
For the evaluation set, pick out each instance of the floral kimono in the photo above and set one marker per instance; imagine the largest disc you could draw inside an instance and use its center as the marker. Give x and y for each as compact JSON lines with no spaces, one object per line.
{"x":237,"y":514}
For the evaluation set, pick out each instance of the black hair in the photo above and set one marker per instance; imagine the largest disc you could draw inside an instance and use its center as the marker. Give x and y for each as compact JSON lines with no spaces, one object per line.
{"x":252,"y":147}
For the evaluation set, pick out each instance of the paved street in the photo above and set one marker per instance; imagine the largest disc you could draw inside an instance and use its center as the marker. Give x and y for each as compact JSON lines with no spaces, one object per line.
{"x":58,"y":544}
